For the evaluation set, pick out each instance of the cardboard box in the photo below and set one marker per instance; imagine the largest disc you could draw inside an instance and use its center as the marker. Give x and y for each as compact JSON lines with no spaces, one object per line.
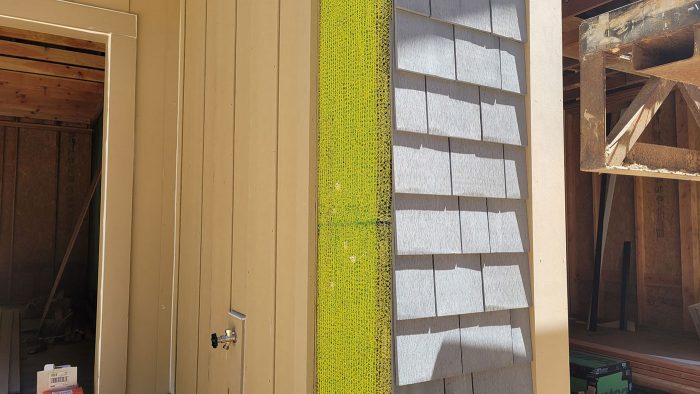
{"x":53,"y":378}
{"x":592,"y":373}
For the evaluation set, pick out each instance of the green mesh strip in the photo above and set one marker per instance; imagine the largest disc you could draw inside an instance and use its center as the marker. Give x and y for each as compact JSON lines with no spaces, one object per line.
{"x":353,"y":345}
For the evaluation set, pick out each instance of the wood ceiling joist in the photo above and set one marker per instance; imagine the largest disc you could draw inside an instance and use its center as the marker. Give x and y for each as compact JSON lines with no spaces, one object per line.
{"x":18,"y":84}
{"x":51,"y":69}
{"x":54,"y":55}
{"x":51,"y":39}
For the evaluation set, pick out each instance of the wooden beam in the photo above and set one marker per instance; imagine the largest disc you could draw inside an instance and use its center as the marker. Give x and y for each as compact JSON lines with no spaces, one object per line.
{"x":640,"y":249}
{"x":593,"y":116}
{"x":575,"y":7}
{"x":62,"y":56}
{"x":630,"y":24}
{"x":23,"y":85}
{"x":44,"y":97}
{"x":691,"y":95}
{"x":49,"y":127}
{"x":51,"y":69}
{"x":687,"y":133}
{"x":635,"y":119}
{"x":52,"y":39}
{"x":666,"y":158}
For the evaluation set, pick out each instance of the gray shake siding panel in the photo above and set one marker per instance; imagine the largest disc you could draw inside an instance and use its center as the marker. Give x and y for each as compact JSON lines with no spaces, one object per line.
{"x":461,"y":272}
{"x":453,"y":109}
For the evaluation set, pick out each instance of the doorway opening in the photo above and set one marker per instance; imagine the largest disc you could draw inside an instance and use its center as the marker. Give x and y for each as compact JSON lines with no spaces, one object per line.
{"x":51,"y":133}
{"x":632,"y":241}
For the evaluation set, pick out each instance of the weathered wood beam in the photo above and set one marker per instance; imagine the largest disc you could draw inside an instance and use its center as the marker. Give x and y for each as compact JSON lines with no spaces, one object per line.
{"x":62,"y":56}
{"x":664,"y":158}
{"x":688,"y":136}
{"x":575,"y":7}
{"x":643,"y":19}
{"x":636,"y":118}
{"x":691,"y":95}
{"x":48,"y":127}
{"x":52,"y":39}
{"x":51,"y":69}
{"x":593,"y":116}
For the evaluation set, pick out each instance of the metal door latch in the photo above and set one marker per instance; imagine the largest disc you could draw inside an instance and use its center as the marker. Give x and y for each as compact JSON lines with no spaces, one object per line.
{"x":226,"y":340}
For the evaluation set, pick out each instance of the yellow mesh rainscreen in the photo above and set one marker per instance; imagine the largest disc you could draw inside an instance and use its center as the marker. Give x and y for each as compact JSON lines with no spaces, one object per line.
{"x":353,"y":345}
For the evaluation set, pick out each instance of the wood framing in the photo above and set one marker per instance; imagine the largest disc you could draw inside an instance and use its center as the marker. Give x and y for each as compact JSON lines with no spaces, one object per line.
{"x":117,"y":32}
{"x":657,"y":38}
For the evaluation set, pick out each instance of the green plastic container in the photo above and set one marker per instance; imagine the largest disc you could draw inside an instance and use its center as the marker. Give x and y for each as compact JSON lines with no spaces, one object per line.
{"x":606,"y":375}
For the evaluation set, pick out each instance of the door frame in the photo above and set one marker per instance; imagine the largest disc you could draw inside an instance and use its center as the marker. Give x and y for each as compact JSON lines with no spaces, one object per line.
{"x":117,"y":30}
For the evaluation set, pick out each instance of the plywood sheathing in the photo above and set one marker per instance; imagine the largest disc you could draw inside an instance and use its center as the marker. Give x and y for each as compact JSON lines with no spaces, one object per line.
{"x":45,"y":173}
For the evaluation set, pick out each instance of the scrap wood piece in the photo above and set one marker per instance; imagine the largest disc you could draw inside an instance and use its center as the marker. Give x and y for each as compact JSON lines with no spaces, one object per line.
{"x":14,"y":386}
{"x":5,"y":348}
{"x":633,"y":356}
{"x":69,"y":248}
{"x":660,"y":384}
{"x":636,"y":118}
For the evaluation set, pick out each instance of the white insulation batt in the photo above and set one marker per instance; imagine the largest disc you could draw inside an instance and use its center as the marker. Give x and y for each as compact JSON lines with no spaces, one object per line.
{"x":462,"y":291}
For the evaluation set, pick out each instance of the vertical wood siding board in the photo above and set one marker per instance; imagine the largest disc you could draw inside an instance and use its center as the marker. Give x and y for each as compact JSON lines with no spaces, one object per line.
{"x":477,"y":169}
{"x":255,"y":186}
{"x":421,"y":164}
{"x":506,"y":279}
{"x":427,"y":339}
{"x":489,"y":336}
{"x":218,"y":154}
{"x":509,"y":19}
{"x":293,"y":332}
{"x":515,"y":379}
{"x":512,"y":66}
{"x":474,"y":225}
{"x":424,"y":46}
{"x":410,"y":102}
{"x":477,"y":58}
{"x":188,"y":338}
{"x":453,"y":109}
{"x":503,"y":117}
{"x":458,"y":284}
{"x":475,"y":14}
{"x":414,"y":287}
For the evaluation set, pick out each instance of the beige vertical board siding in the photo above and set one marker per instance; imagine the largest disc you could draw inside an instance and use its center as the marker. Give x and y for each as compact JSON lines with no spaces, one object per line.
{"x":218,"y":188}
{"x":255,"y":187}
{"x":296,"y":213}
{"x":547,"y":208}
{"x":188,"y":336}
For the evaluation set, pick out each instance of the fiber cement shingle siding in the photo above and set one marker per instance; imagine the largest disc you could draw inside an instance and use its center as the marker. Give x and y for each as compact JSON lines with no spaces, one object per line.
{"x":461,"y":272}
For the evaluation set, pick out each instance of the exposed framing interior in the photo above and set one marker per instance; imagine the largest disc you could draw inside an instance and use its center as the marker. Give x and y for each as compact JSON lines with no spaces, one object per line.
{"x":117,"y":32}
{"x":633,"y":129}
